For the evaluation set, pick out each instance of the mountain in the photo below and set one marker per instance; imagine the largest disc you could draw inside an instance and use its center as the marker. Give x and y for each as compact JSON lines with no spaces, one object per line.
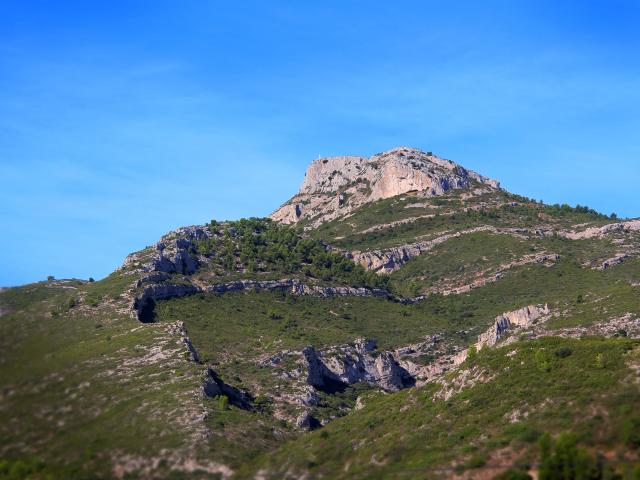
{"x":399,"y":317}
{"x":337,"y":186}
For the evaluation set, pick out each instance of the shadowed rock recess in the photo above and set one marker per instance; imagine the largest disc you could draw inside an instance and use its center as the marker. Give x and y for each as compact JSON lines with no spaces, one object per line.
{"x":399,"y":317}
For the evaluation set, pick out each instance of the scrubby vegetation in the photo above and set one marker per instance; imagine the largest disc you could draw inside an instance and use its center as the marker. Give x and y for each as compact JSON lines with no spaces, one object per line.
{"x":260,"y":245}
{"x":563,"y":459}
{"x":449,"y":212}
{"x":88,"y":388}
{"x":411,"y":431}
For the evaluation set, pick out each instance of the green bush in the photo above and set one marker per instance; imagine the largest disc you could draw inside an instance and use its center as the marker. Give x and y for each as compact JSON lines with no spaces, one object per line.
{"x":631,"y":432}
{"x":261,"y":245}
{"x":223,"y":402}
{"x":563,"y":352}
{"x":562,"y":459}
{"x":513,"y":474}
{"x":476,"y":461}
{"x":472,"y":353}
{"x":542,"y":361}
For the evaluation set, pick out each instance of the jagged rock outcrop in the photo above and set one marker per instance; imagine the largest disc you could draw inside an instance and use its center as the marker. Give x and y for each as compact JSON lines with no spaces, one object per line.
{"x":174,"y":253}
{"x":180,"y":329}
{"x":526,"y":318}
{"x":523,"y":318}
{"x":142,"y":306}
{"x":390,"y":375}
{"x":213,"y":386}
{"x":335,"y":186}
{"x":353,"y":363}
{"x":296,"y":287}
{"x":307,"y":422}
{"x":598,"y":232}
{"x":615,"y":260}
{"x":391,"y":259}
{"x":319,"y":375}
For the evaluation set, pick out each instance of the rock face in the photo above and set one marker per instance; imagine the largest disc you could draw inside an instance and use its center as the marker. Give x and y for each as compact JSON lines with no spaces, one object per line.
{"x":334,"y":368}
{"x":524,"y":318}
{"x":391,"y":259}
{"x":180,"y":329}
{"x":335,"y":186}
{"x":307,"y":422}
{"x":213,"y":386}
{"x":143,"y":305}
{"x":599,"y":232}
{"x":616,"y":260}
{"x":174,"y":253}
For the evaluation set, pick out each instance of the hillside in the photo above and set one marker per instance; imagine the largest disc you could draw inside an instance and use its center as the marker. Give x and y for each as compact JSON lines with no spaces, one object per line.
{"x":399,"y":317}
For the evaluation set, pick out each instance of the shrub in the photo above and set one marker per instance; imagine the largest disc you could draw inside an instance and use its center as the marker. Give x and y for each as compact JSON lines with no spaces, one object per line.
{"x":563,"y":352}
{"x":513,"y":474}
{"x":472,"y":353}
{"x":631,"y":432}
{"x":542,"y":361}
{"x":223,"y":402}
{"x":260,"y":245}
{"x":476,"y":461}
{"x":71,"y":303}
{"x":562,"y":459}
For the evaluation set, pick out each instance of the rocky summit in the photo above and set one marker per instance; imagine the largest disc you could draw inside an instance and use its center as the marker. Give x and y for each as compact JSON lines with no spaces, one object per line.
{"x":400,"y":317}
{"x":336,"y":186}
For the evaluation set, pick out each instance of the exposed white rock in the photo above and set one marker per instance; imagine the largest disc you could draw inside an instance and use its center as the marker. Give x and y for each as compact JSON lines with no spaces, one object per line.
{"x":391,"y":259}
{"x":598,"y":232}
{"x":336,"y":367}
{"x":174,"y":253}
{"x":335,"y":186}
{"x":523,"y":318}
{"x":180,"y":329}
{"x":615,"y":260}
{"x":546,"y":259}
{"x":627,"y":325}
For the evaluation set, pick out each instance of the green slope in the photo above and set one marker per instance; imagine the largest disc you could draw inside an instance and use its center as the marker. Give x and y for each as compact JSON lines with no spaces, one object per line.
{"x":87,"y":390}
{"x":500,"y":401}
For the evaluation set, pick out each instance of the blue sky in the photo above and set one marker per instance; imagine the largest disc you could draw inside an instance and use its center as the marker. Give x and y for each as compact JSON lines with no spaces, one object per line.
{"x":122,"y":120}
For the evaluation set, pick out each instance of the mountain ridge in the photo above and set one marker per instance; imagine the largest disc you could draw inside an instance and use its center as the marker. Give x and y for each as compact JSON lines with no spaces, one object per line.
{"x":336,"y":186}
{"x":382,"y":325}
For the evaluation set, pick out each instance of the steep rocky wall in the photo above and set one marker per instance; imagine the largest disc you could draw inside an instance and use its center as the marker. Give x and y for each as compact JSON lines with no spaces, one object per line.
{"x":391,"y":259}
{"x":523,"y":318}
{"x":335,"y":186}
{"x":142,"y":304}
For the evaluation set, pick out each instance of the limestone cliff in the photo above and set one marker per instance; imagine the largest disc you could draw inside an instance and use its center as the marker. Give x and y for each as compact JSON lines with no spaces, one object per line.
{"x":335,"y":186}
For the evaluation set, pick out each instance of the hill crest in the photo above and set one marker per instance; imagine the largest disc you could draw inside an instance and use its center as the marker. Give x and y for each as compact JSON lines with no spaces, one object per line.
{"x":335,"y":186}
